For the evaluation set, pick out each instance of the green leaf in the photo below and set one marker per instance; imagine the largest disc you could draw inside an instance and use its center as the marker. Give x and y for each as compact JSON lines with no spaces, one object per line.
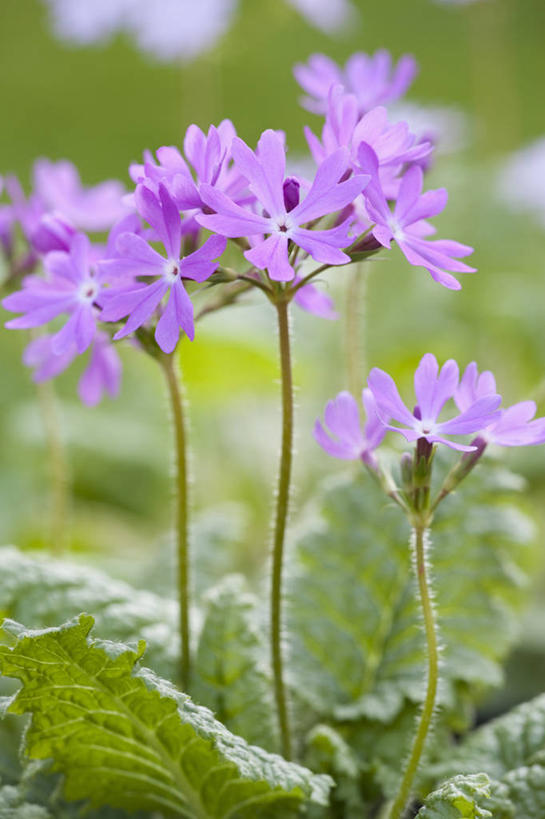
{"x":327,"y":752}
{"x":356,"y":641}
{"x":230,"y":676}
{"x":468,"y":797}
{"x":42,"y":591}
{"x":126,"y":738}
{"x":511,"y":750}
{"x":13,"y":805}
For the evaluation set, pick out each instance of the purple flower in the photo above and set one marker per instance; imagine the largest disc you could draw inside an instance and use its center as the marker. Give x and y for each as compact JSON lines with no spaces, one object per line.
{"x":371,"y":78}
{"x":280,"y":221}
{"x":102,"y":374}
{"x":394,"y":145}
{"x":73,"y":287}
{"x":433,"y":389}
{"x":407,"y":226}
{"x":515,"y":426}
{"x":313,"y":300}
{"x":136,"y":258}
{"x":345,"y":438}
{"x":208,"y":154}
{"x":58,"y":187}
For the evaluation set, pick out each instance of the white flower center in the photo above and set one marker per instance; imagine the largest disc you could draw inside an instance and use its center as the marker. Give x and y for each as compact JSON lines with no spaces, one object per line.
{"x":397,"y":230}
{"x":88,"y":290}
{"x":425,"y":428}
{"x":282,"y":225}
{"x":171,"y":270}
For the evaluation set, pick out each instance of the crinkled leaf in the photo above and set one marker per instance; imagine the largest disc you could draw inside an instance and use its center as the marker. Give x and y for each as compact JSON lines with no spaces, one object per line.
{"x":511,"y":750}
{"x":327,"y":752}
{"x":355,"y":633}
{"x":124,"y":737}
{"x":468,"y":797}
{"x":43,"y":591}
{"x":230,"y":673}
{"x":13,"y":805}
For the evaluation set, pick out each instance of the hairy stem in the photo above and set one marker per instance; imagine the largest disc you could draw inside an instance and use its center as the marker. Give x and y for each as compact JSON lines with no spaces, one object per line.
{"x":280,"y":519}
{"x":419,"y":543}
{"x":354,"y":321}
{"x":58,"y":465}
{"x":182,"y":530}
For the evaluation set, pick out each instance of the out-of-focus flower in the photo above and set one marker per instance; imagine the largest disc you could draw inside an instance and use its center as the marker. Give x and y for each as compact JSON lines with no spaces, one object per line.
{"x":521,"y":181}
{"x":514,"y":427}
{"x":73,"y":287}
{"x":407,"y":223}
{"x":282,"y":219}
{"x":58,"y":188}
{"x":172,"y":29}
{"x":101,"y":375}
{"x":210,"y":157}
{"x":345,"y":437}
{"x":136,"y":258}
{"x":433,"y":388}
{"x":393,"y":144}
{"x":372,"y":79}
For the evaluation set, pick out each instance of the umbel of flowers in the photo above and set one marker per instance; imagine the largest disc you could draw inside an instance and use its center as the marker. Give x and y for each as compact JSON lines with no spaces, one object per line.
{"x":165,"y":246}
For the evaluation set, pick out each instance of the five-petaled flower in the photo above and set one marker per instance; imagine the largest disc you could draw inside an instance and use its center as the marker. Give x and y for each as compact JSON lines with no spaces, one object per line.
{"x":514,"y":427}
{"x":283,"y":217}
{"x":73,"y":286}
{"x":136,"y":258}
{"x":433,"y":388}
{"x":407,"y":223}
{"x":345,"y":437}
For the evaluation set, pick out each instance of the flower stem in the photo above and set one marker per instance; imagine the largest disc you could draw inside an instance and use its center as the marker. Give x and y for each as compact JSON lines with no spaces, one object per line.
{"x":419,"y":543}
{"x":170,"y":369}
{"x":58,"y":465}
{"x":354,"y":319}
{"x":280,"y":519}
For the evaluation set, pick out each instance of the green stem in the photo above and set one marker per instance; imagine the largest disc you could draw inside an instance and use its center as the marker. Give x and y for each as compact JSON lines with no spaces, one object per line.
{"x":58,"y":465}
{"x":170,"y":369}
{"x":419,"y":543}
{"x":354,"y":321}
{"x":280,"y":519}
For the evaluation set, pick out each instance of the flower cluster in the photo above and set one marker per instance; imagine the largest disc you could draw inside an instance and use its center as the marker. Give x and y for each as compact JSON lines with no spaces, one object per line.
{"x":475,"y":397}
{"x":365,"y":192}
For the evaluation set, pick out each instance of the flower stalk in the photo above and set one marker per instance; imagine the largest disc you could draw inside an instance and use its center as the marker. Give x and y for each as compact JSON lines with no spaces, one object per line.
{"x":280,"y":521}
{"x":419,"y":546}
{"x":172,"y":376}
{"x":58,"y":466}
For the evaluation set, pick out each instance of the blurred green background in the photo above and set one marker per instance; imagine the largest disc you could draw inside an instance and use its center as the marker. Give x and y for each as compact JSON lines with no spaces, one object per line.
{"x":101,"y":106}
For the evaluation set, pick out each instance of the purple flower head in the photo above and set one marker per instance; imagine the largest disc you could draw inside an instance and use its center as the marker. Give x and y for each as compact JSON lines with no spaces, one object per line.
{"x":58,"y":187}
{"x":433,"y":389}
{"x":394,"y":144}
{"x":407,"y":226}
{"x":515,"y":426}
{"x":102,"y":374}
{"x":208,"y":154}
{"x":265,"y":171}
{"x":372,"y":79}
{"x":136,"y":258}
{"x":345,"y":437}
{"x":73,"y":287}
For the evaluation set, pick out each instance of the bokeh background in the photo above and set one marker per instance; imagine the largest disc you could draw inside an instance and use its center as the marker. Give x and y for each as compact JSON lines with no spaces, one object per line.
{"x":482,"y":71}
